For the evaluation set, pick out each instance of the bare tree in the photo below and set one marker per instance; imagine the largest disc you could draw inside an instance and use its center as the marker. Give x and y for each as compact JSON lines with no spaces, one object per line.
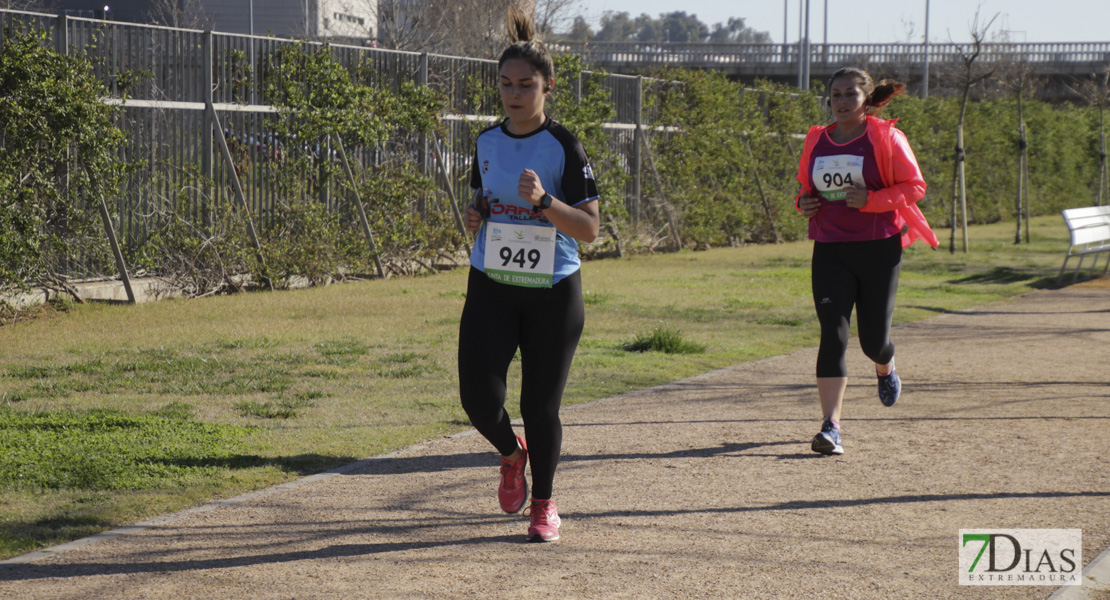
{"x":186,"y":14}
{"x":481,"y":25}
{"x":410,"y":24}
{"x":1017,"y":77}
{"x":461,"y":27}
{"x":970,"y":74}
{"x":474,"y":28}
{"x":28,"y":5}
{"x":556,"y":15}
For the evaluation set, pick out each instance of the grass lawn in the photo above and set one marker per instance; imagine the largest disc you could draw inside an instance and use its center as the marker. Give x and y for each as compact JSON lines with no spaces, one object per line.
{"x":110,"y":414}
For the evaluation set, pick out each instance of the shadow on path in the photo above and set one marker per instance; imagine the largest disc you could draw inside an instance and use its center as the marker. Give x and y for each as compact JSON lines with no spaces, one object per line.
{"x":69,"y":571}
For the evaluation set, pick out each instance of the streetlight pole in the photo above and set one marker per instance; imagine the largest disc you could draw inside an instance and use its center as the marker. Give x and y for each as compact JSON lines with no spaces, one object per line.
{"x":826,"y":15}
{"x":925,"y":46}
{"x":801,"y":9}
{"x":805,"y":84}
{"x":825,"y":40}
{"x":801,"y":46}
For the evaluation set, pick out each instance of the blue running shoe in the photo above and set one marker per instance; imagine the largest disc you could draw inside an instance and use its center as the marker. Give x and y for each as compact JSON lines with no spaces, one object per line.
{"x":828,"y":441}
{"x":890,"y":388}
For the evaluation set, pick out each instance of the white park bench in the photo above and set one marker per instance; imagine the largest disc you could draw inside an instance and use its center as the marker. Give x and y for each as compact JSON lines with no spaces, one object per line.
{"x":1090,"y":236}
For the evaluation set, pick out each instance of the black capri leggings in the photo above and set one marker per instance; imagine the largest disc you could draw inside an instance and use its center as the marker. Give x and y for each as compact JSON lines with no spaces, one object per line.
{"x":860,"y":274}
{"x":545,"y":323}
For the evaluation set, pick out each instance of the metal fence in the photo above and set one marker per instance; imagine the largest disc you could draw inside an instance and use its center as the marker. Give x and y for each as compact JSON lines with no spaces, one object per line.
{"x":171,"y":134}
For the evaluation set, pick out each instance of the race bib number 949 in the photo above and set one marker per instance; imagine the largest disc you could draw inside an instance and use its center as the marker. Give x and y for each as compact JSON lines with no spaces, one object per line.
{"x":522,"y":255}
{"x":831,"y":174}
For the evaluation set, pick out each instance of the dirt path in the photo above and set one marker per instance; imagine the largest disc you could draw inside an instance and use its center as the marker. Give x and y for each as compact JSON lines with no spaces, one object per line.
{"x":705,"y":488}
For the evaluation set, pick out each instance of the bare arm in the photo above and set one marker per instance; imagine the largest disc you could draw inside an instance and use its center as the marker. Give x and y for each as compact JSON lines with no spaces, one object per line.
{"x":582,"y":222}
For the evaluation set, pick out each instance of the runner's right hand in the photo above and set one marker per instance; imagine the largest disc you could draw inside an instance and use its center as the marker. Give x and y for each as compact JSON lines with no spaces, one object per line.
{"x":809,"y":206}
{"x":475,"y":213}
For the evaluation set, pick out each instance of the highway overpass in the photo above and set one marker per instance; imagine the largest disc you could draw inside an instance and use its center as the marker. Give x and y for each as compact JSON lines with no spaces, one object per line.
{"x":780,"y":62}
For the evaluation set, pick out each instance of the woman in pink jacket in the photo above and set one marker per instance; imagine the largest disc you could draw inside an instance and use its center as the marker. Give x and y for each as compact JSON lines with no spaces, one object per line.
{"x":860,"y":185}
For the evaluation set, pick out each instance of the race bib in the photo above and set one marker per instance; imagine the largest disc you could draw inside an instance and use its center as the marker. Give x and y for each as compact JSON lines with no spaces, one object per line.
{"x":522,"y":255}
{"x":831,"y":174}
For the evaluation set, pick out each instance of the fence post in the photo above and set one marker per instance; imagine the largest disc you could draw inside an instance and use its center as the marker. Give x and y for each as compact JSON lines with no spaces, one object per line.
{"x":61,"y":45}
{"x":422,"y":81}
{"x":637,"y":143}
{"x":207,"y":164}
{"x":61,"y":34}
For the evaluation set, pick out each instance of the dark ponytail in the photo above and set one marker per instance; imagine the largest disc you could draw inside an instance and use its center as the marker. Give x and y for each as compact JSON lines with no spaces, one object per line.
{"x":526,"y":45}
{"x":885,"y":92}
{"x":878,"y":96}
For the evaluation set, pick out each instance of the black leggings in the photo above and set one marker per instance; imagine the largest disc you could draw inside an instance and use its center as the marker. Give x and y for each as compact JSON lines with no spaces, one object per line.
{"x":545,"y":323}
{"x":860,"y":274}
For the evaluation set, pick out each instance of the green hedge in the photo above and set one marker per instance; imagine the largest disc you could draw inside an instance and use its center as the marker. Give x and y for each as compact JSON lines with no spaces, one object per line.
{"x":710,"y":176}
{"x":55,"y":130}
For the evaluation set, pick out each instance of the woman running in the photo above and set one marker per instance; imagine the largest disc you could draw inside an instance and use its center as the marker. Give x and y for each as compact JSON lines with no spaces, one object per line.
{"x":860,"y":185}
{"x":534,"y":196}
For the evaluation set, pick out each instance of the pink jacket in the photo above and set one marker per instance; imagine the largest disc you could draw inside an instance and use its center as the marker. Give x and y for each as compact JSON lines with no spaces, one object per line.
{"x":901,"y":176}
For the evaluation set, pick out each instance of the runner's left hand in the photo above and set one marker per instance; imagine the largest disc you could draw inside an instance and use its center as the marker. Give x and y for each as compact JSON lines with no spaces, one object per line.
{"x":530,"y":188}
{"x":856,"y":196}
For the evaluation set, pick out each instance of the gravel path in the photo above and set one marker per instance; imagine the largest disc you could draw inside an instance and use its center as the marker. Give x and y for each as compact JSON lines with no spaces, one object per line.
{"x":704,"y":488}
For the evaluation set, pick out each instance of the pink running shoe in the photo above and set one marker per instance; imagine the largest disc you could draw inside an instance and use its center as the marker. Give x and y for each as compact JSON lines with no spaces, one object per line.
{"x":545,"y":521}
{"x":513,"y":490}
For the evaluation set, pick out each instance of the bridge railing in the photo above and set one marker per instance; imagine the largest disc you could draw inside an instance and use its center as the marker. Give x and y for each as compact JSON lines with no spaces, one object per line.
{"x":673,"y":53}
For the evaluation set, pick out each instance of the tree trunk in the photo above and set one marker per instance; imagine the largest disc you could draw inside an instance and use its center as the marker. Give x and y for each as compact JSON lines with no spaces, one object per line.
{"x":1022,"y":145}
{"x":963,"y":186}
{"x":958,"y":214}
{"x":958,"y":177}
{"x":1020,"y":191}
{"x":1026,"y":186}
{"x":955,"y":199}
{"x":1103,"y":169}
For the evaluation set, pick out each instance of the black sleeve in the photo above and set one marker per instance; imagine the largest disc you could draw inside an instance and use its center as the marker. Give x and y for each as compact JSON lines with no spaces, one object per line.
{"x":578,"y":176}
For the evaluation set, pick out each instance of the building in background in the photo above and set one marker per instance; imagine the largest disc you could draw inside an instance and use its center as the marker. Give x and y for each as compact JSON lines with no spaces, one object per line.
{"x":332,"y":19}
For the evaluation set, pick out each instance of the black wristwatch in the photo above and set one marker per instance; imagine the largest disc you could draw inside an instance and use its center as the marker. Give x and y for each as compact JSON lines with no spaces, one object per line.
{"x":545,"y":202}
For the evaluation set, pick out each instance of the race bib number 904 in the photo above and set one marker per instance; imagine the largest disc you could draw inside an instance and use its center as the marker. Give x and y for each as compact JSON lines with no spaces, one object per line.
{"x":831,"y":174}
{"x":522,"y":255}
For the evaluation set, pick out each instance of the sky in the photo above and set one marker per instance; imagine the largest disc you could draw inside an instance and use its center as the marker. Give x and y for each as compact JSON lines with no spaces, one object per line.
{"x":891,"y":21}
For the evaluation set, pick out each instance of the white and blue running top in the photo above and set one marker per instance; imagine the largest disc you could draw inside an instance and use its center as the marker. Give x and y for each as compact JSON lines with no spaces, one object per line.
{"x":564,"y":170}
